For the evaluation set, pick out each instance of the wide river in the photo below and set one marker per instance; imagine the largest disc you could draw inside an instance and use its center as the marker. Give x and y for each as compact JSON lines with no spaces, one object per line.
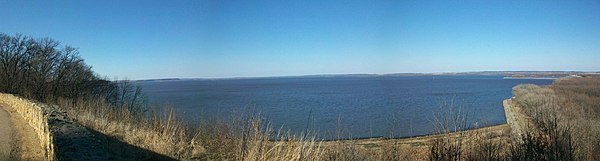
{"x":358,"y":107}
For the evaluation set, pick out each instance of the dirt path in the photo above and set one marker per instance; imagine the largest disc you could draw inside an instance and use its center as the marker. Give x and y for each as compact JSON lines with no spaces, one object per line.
{"x":23,"y":142}
{"x":6,"y":134}
{"x":71,"y":141}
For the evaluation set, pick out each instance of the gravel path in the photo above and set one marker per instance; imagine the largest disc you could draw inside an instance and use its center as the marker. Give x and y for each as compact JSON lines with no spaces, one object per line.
{"x":6,"y":135}
{"x":18,"y":141}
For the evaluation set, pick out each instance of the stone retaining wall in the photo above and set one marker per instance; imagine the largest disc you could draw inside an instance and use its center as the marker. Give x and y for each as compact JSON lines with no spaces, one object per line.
{"x":61,"y":138}
{"x":37,"y":118}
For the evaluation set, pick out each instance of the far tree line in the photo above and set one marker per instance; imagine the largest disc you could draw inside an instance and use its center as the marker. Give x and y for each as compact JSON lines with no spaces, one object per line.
{"x":42,"y":69}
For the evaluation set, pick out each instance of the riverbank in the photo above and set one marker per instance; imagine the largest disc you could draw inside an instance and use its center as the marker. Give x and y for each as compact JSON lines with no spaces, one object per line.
{"x":418,"y":147}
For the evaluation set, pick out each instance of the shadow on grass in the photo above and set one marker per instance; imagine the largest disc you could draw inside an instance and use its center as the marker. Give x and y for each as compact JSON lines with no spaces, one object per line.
{"x":118,"y":150}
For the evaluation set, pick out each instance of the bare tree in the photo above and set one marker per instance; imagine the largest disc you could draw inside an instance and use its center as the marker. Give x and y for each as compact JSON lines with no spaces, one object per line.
{"x":42,"y":70}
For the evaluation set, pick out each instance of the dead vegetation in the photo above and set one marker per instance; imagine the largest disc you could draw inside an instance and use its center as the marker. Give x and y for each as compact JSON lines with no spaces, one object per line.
{"x":565,"y":119}
{"x":563,"y":124}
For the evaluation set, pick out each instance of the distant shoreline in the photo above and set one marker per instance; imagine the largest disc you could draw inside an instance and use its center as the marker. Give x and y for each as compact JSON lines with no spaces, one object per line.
{"x":511,"y":74}
{"x":530,"y":78}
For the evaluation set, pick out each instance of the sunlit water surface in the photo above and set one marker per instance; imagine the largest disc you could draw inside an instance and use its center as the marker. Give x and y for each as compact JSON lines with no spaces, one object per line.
{"x":360,"y":107}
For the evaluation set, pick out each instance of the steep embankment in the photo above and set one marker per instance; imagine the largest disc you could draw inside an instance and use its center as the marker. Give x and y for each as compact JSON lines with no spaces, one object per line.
{"x":512,"y":119}
{"x":519,"y":122}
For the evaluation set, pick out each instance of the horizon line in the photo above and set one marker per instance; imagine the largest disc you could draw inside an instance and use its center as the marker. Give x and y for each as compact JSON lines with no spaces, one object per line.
{"x":369,"y":74}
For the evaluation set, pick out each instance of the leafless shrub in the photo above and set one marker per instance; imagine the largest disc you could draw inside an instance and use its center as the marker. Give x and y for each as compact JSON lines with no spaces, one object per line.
{"x":445,"y":147}
{"x":565,"y":113}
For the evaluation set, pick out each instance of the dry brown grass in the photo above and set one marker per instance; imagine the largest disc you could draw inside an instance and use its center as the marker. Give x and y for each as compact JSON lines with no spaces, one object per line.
{"x":163,"y":133}
{"x":250,"y":138}
{"x":567,"y":109}
{"x":580,"y":106}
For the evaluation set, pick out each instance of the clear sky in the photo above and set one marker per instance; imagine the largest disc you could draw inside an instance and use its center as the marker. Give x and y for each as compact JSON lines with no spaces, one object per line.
{"x":206,"y":39}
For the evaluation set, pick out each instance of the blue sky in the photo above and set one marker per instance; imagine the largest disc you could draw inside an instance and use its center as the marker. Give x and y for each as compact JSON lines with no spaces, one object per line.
{"x":207,"y":39}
